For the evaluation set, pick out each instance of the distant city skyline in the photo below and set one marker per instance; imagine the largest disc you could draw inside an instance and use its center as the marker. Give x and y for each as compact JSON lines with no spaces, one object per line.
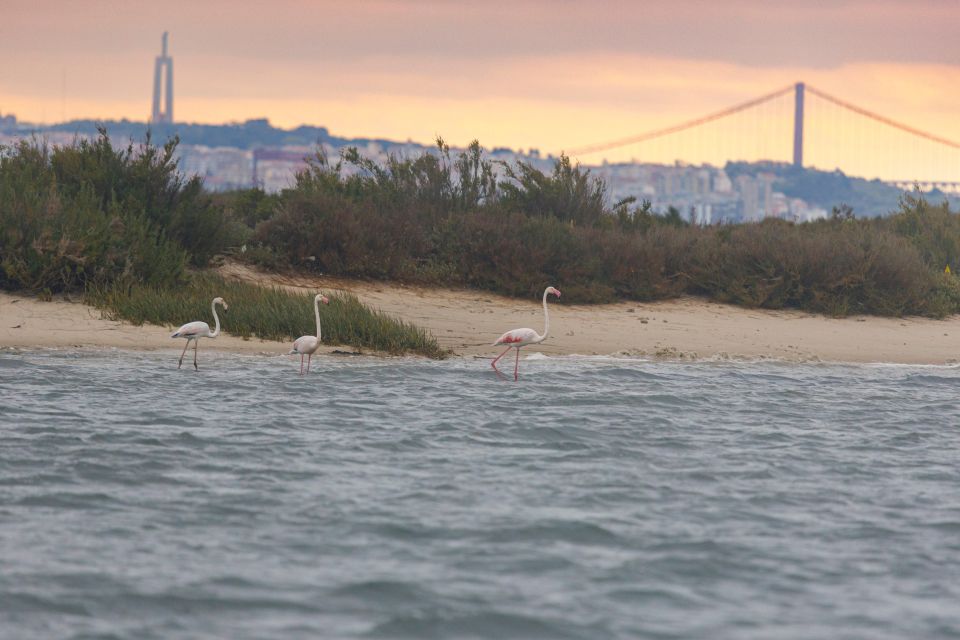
{"x":524,"y":74}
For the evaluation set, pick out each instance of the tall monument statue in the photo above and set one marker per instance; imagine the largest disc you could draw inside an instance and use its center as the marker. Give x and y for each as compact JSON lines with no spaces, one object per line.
{"x":163,"y":62}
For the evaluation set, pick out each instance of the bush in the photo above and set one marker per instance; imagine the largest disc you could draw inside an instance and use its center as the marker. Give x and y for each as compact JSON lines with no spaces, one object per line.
{"x":327,"y":233}
{"x":569,"y":194}
{"x":410,"y":220}
{"x":91,"y":213}
{"x":248,"y":206}
{"x":832,"y":268}
{"x":88,"y":212}
{"x":933,"y":230}
{"x":59,"y":238}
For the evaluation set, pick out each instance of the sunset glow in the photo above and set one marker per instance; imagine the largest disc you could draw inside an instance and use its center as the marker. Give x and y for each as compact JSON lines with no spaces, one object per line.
{"x":539,"y":75}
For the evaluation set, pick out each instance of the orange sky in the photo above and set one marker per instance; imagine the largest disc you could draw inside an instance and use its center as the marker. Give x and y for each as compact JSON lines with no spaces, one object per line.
{"x":522,"y":73}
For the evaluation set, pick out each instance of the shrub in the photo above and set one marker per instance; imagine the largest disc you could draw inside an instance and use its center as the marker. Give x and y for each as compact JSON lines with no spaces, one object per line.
{"x":569,"y":193}
{"x":410,"y":219}
{"x":88,"y":211}
{"x":327,"y":233}
{"x":827,"y":267}
{"x":61,"y":238}
{"x":933,"y":230}
{"x":268,"y":313}
{"x":91,"y":213}
{"x":247,"y":206}
{"x":144,"y":180}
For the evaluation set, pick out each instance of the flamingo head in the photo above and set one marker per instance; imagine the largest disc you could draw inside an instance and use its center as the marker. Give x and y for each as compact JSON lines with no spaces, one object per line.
{"x":322,"y":298}
{"x":221,"y":302}
{"x":553,"y":291}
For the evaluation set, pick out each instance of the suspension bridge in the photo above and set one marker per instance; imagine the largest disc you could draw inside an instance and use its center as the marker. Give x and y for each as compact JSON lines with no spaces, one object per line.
{"x":806,"y":126}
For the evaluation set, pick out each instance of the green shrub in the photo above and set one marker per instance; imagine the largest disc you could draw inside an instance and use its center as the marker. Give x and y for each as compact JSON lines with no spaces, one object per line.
{"x":268,"y":313}
{"x":933,"y":230}
{"x":58,"y":238}
{"x":833,"y":268}
{"x":570,"y":193}
{"x":327,"y":233}
{"x":410,"y":220}
{"x":431,"y":183}
{"x":247,"y":206}
{"x":89,"y":212}
{"x":145,"y":180}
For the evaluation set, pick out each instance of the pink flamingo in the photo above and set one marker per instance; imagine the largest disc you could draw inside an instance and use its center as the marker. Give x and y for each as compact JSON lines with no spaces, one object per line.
{"x":516,"y":338}
{"x":196,"y":330}
{"x":308,"y":345}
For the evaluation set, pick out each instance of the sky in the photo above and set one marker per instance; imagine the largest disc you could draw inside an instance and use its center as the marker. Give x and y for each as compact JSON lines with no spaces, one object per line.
{"x":552,"y":75}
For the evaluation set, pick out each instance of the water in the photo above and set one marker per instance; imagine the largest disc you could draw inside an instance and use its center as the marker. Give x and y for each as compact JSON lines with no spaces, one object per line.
{"x":410,"y":499}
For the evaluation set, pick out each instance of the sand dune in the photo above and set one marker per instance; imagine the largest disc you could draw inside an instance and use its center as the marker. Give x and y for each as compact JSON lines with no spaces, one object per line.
{"x":26,"y":321}
{"x":468,"y":321}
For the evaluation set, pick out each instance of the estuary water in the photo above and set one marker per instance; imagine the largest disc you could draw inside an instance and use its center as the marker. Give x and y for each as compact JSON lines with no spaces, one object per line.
{"x":596,"y":498}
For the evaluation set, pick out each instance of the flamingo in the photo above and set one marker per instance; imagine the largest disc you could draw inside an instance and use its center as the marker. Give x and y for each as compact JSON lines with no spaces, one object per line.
{"x":196,"y":330}
{"x":308,"y":345}
{"x":516,"y":338}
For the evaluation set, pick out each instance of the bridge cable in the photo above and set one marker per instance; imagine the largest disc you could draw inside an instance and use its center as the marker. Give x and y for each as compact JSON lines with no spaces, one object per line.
{"x":650,"y":135}
{"x":879,"y":118}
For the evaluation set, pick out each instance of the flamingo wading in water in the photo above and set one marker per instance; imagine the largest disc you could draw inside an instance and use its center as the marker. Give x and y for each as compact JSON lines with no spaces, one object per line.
{"x":308,"y":345}
{"x":196,"y":330}
{"x":516,"y":338}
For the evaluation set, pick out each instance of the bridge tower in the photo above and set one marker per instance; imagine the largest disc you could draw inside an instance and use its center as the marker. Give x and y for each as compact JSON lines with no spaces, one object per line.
{"x":163,"y":63}
{"x":798,"y":125}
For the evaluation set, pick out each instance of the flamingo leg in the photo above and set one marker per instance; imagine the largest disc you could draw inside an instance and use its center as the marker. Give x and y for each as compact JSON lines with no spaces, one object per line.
{"x":516,"y":367}
{"x":308,"y":362}
{"x":196,"y":345}
{"x":301,"y":364}
{"x":499,"y":374}
{"x":494,"y":363}
{"x":182,"y":353}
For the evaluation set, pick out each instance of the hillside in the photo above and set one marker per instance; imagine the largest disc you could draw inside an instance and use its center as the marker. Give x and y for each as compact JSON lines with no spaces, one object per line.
{"x":828,"y":189}
{"x":242,"y":135}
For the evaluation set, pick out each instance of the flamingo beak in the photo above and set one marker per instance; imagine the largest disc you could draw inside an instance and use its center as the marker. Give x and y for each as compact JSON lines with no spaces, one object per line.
{"x":325,"y":300}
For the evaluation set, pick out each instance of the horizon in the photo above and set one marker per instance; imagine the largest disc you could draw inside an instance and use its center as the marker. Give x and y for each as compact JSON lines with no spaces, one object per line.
{"x":531,"y":77}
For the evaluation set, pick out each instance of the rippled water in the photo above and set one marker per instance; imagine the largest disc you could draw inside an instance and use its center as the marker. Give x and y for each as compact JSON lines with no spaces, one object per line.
{"x":411,"y":499}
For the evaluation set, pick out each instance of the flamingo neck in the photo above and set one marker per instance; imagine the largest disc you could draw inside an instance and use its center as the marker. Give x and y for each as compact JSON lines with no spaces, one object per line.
{"x":546,"y":319}
{"x":216,"y":318}
{"x":316,"y":311}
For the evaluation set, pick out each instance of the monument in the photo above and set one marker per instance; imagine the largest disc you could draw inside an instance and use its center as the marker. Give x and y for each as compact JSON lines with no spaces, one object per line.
{"x":163,"y":63}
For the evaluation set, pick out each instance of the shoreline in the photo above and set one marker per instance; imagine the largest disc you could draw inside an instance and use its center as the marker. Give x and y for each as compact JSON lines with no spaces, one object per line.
{"x":468,"y":321}
{"x":27,"y":322}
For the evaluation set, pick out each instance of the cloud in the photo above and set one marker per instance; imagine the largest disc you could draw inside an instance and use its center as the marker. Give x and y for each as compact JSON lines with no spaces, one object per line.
{"x":553,"y":75}
{"x":748,"y":33}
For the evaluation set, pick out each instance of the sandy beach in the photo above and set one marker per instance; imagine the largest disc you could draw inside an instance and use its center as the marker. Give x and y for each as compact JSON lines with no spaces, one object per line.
{"x":26,"y":322}
{"x":468,"y":321}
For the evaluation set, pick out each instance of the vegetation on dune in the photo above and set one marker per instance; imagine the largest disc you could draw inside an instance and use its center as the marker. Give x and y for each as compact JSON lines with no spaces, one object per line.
{"x":90,"y":212}
{"x":268,"y":313}
{"x":90,"y":215}
{"x":838,"y":268}
{"x":124,"y":225}
{"x":434,"y":219}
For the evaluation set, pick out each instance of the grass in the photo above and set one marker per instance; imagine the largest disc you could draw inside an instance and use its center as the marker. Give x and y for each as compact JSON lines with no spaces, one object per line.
{"x":268,"y":313}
